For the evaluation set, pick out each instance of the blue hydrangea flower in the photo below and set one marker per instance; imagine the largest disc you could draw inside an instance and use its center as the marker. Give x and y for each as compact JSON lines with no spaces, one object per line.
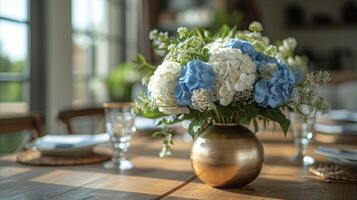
{"x":195,"y":75}
{"x":299,"y":75}
{"x":266,"y":63}
{"x":277,"y":90}
{"x":246,"y":48}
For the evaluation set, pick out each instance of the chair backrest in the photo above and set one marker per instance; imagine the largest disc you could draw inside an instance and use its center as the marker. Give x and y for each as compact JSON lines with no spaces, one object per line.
{"x":33,"y":122}
{"x":68,"y":116}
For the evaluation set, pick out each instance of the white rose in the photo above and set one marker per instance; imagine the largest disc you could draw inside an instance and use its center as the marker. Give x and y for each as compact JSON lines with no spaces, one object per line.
{"x":235,"y":72}
{"x":163,"y":82}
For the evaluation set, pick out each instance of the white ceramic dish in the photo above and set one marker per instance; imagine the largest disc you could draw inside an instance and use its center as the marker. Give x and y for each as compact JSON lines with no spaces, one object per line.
{"x":69,"y":145}
{"x":344,"y":162}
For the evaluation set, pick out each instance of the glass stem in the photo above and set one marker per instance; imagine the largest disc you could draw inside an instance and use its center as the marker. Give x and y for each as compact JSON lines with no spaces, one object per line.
{"x":118,"y":154}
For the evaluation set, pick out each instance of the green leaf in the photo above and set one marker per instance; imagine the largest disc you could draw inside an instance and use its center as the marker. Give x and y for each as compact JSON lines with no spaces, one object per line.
{"x":196,"y":127}
{"x":200,"y":35}
{"x":232,"y":32}
{"x":157,"y":134}
{"x":224,"y":31}
{"x":244,"y":119}
{"x":145,"y":108}
{"x":290,"y":109}
{"x":140,"y":57}
{"x":277,"y":116}
{"x":251,"y":110}
{"x":256,"y":127}
{"x":153,"y":115}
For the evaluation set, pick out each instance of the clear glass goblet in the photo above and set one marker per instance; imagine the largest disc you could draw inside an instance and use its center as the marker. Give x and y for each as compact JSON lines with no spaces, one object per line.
{"x":120,"y":127}
{"x":302,"y":127}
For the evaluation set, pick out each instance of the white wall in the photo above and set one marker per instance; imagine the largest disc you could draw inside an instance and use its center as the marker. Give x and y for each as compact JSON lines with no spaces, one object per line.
{"x":59,"y":77}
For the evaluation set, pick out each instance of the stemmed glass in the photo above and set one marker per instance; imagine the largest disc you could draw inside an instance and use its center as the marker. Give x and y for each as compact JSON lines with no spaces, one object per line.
{"x":302,"y":127}
{"x":120,"y":127}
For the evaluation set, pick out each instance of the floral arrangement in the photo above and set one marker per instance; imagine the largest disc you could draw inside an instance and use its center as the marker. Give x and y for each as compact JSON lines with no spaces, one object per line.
{"x":228,"y":77}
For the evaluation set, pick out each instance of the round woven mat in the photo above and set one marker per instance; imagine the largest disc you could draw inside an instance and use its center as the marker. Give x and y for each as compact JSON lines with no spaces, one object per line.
{"x":331,"y":172}
{"x":33,"y":157}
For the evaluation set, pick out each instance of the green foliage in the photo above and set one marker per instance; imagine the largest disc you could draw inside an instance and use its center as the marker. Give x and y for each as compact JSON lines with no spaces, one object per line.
{"x":277,"y":116}
{"x":11,"y":91}
{"x":8,"y":65}
{"x":166,"y":132}
{"x":198,"y":124}
{"x":271,"y":50}
{"x":307,"y":99}
{"x":188,"y":45}
{"x":222,"y":17}
{"x":142,"y":65}
{"x":160,"y":41}
{"x":10,"y":143}
{"x":121,"y":80}
{"x":145,"y":108}
{"x":246,"y":114}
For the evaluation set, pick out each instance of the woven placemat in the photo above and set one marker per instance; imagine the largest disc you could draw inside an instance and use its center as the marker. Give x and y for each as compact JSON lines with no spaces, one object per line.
{"x":330,"y":172}
{"x":33,"y":157}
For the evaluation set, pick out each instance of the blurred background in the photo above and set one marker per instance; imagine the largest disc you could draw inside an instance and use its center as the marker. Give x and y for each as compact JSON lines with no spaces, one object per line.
{"x":61,"y":55}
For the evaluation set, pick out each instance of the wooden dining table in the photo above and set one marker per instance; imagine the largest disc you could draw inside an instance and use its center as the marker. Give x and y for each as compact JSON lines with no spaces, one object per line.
{"x":167,"y":178}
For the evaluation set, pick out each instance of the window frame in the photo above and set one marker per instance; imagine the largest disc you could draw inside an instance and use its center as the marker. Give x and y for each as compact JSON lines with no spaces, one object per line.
{"x":24,"y":77}
{"x":110,"y":38}
{"x":34,"y":75}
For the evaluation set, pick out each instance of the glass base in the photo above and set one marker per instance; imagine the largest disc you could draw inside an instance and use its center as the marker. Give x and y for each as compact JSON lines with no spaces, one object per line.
{"x":120,"y":165}
{"x":303,"y":160}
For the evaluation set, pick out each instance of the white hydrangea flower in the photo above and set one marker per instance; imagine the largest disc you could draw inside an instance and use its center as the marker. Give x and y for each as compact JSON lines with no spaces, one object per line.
{"x":235,"y":72}
{"x":163,"y":82}
{"x":215,"y":45}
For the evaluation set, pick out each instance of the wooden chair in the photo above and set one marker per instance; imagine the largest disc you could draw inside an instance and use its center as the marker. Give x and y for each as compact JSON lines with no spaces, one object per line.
{"x":33,"y":123}
{"x":67,"y":116}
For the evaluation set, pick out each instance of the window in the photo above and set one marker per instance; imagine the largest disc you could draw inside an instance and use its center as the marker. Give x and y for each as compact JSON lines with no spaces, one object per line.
{"x":97,"y":47}
{"x":14,"y":45}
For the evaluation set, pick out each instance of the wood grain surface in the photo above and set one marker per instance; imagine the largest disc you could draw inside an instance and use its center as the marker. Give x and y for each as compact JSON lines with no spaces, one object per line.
{"x":168,"y":178}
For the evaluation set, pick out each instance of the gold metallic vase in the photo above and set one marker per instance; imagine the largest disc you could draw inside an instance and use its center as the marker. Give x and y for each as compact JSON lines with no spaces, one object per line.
{"x":227,"y":155}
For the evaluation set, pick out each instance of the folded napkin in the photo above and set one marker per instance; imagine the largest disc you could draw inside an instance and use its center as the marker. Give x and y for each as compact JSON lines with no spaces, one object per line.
{"x":69,"y":141}
{"x":337,"y":153}
{"x":142,"y":123}
{"x":343,"y":129}
{"x":340,"y":116}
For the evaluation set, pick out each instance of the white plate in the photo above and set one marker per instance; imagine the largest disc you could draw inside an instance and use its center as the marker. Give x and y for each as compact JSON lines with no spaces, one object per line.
{"x":341,"y":116}
{"x":335,"y":153}
{"x":344,"y":162}
{"x":345,"y":129}
{"x":69,"y":145}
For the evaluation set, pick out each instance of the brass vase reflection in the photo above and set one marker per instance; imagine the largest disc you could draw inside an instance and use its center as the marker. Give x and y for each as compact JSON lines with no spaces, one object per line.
{"x":227,"y":155}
